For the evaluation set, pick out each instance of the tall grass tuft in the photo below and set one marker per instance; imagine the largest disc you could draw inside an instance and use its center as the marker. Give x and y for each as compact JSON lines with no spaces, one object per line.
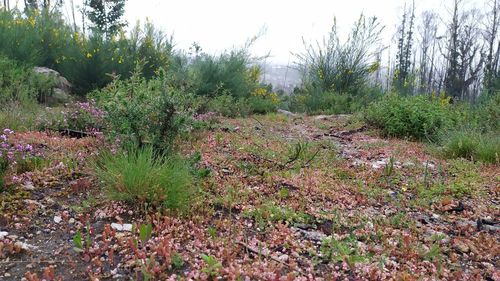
{"x":472,"y":145}
{"x":141,"y":175}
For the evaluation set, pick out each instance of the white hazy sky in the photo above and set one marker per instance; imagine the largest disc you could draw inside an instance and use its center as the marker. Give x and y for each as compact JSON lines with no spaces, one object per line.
{"x":221,"y":24}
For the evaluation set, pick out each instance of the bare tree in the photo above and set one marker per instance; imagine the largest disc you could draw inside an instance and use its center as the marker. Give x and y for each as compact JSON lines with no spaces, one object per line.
{"x":463,"y":53}
{"x":493,"y":45}
{"x":405,"y":46}
{"x":428,"y":40}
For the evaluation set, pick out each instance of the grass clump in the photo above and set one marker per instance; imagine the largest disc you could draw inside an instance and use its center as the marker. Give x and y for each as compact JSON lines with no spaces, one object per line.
{"x":141,"y":175}
{"x":472,"y":145}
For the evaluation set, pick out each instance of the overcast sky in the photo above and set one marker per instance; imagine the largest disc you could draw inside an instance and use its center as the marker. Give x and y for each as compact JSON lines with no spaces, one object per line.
{"x":221,"y":24}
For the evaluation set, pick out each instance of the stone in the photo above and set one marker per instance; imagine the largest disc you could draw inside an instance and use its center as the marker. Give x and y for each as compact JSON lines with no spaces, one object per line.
{"x":13,"y":237}
{"x":61,"y":93}
{"x":57,"y":219}
{"x":379,"y":164}
{"x":28,"y":186}
{"x":24,"y":246}
{"x":287,"y":113}
{"x":122,"y":227}
{"x":71,"y":221}
{"x":461,"y":247}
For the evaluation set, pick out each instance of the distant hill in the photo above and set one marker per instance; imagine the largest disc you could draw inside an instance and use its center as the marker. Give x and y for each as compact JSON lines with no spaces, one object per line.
{"x":281,"y":77}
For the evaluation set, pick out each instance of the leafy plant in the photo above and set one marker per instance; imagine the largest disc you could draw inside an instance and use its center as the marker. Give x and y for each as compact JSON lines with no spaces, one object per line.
{"x":140,"y":112}
{"x":145,"y":231}
{"x":389,"y":171}
{"x":213,"y":266}
{"x":177,"y":261}
{"x":269,"y":212}
{"x":416,"y":117}
{"x":77,"y":241}
{"x":341,"y":250}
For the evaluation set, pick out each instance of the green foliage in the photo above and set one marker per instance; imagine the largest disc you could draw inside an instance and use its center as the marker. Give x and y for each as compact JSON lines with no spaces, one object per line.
{"x":4,"y":164}
{"x":43,"y":38}
{"x":313,"y":101}
{"x":225,"y":105}
{"x":106,"y":15}
{"x":140,"y":112}
{"x":77,"y":241}
{"x":269,"y":212}
{"x":487,"y":113}
{"x":465,"y":182}
{"x":416,"y":117}
{"x":140,"y":175}
{"x":213,"y":266}
{"x":145,"y":231}
{"x":472,"y":145}
{"x":261,"y":104}
{"x":226,"y":74}
{"x":177,"y":261}
{"x":20,"y":85}
{"x":342,"y":67}
{"x":341,"y":250}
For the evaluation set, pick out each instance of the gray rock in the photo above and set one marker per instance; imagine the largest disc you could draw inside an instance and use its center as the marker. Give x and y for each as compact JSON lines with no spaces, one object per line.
{"x":287,"y":113}
{"x":57,"y":219}
{"x":121,"y":227}
{"x":61,"y":93}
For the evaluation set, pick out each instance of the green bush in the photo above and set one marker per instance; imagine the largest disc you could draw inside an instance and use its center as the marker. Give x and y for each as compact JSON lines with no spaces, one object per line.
{"x":19,"y":84}
{"x":472,"y":145}
{"x":488,"y":114}
{"x":261,"y":104}
{"x":225,"y":105}
{"x":230,"y":106}
{"x":228,"y":74}
{"x":141,"y":175}
{"x":44,"y":38}
{"x":140,"y":112}
{"x":343,"y":67}
{"x":416,"y":117}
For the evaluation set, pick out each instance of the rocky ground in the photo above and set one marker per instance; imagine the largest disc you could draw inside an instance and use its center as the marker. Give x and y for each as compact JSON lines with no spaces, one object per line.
{"x":284,"y":198}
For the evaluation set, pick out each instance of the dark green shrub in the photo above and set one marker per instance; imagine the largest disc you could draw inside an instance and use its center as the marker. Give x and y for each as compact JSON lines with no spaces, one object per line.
{"x":140,"y":112}
{"x":488,"y":114}
{"x":314,"y":101}
{"x":225,"y":105}
{"x":43,"y":38}
{"x":228,"y":74}
{"x":416,"y":117}
{"x":141,"y":175}
{"x":261,"y":105}
{"x":19,"y":84}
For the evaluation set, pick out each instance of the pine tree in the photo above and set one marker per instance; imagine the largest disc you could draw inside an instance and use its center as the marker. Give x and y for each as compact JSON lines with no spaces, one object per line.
{"x":106,"y":15}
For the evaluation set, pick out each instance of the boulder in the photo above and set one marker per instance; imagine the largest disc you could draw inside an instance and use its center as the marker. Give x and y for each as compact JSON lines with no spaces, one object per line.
{"x":61,"y":93}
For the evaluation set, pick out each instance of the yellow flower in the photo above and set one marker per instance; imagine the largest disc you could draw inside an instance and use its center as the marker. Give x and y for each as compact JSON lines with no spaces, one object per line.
{"x":89,"y":55}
